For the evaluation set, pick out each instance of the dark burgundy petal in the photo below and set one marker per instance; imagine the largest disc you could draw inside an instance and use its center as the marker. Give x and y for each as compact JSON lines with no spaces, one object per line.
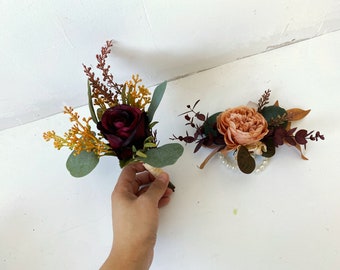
{"x":124,"y":153}
{"x":124,"y":126}
{"x":114,"y":141}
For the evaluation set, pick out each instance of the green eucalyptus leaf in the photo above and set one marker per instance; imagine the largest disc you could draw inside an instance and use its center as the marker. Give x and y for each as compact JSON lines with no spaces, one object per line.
{"x":151,"y":125}
{"x":89,"y":95}
{"x":164,"y":155}
{"x":150,"y":145}
{"x":149,"y":139}
{"x":156,"y":99}
{"x":100,"y":113}
{"x":245,"y":161}
{"x":81,"y":164}
{"x":140,"y":154}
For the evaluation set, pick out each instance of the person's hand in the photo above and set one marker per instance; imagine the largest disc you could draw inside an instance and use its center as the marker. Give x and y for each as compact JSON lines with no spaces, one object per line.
{"x":135,"y":210}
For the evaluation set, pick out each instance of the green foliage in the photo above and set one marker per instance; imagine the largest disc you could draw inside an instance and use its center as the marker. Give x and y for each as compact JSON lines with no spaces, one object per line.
{"x":89,"y":95}
{"x":140,"y":154}
{"x":269,"y":142}
{"x":100,"y":113}
{"x":123,"y":163}
{"x":152,"y":124}
{"x":275,"y":115}
{"x":209,"y":125}
{"x":245,"y":161}
{"x":81,"y":164}
{"x":162,"y":156}
{"x":156,"y":100}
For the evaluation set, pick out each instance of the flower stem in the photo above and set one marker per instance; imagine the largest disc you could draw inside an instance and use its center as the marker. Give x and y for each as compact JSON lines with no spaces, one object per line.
{"x":171,"y":186}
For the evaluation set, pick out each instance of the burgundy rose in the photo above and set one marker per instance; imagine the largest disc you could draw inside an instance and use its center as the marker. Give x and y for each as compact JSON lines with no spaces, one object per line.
{"x":124,"y":126}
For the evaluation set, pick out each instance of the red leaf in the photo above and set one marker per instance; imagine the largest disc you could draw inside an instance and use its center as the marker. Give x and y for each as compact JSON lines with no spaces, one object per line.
{"x":200,"y":116}
{"x":300,"y":136}
{"x":290,"y":141}
{"x":291,"y":131}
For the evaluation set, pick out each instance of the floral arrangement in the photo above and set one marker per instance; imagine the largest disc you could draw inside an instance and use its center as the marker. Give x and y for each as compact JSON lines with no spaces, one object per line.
{"x":247,"y":131}
{"x":123,"y":116}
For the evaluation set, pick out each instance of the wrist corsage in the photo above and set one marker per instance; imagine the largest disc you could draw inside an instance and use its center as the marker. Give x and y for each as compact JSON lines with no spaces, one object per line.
{"x":247,"y":133}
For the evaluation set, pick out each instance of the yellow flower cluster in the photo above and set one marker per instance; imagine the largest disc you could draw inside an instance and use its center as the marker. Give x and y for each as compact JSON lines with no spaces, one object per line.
{"x":79,"y":137}
{"x":136,"y":95}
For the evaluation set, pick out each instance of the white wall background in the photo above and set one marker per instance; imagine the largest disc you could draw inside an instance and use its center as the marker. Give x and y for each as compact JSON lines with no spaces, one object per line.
{"x":288,"y":216}
{"x":43,"y":42}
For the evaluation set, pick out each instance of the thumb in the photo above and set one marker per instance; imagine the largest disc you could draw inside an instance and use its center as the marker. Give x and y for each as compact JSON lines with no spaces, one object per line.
{"x":158,"y":187}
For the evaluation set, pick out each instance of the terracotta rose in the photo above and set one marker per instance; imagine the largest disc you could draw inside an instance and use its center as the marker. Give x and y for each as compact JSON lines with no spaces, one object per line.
{"x":241,"y":126}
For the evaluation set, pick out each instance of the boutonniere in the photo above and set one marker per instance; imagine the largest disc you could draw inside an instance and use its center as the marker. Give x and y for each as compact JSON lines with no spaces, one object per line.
{"x":121,"y":123}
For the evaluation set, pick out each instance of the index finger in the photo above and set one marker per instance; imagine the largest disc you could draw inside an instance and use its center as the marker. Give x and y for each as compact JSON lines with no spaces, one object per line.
{"x":127,"y":178}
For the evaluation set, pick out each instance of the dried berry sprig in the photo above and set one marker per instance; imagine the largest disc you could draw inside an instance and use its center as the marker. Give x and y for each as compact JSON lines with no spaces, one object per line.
{"x":191,"y":115}
{"x":102,"y":94}
{"x":264,"y":100}
{"x":106,"y":93}
{"x":101,"y":59}
{"x":205,"y":131}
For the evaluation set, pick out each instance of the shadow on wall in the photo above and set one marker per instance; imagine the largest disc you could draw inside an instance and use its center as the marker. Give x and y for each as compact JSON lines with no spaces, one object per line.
{"x":153,"y":66}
